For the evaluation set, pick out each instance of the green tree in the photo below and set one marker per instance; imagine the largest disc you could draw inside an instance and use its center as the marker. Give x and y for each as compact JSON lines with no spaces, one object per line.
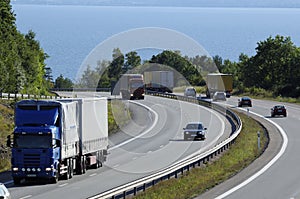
{"x":22,"y":60}
{"x":180,"y":64}
{"x":115,"y":68}
{"x":132,"y":60}
{"x":62,"y":82}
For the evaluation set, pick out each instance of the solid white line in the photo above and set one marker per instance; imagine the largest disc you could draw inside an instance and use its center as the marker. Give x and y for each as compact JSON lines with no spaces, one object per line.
{"x":144,"y":133}
{"x":26,"y":197}
{"x":62,"y":185}
{"x":93,"y":174}
{"x":281,"y":152}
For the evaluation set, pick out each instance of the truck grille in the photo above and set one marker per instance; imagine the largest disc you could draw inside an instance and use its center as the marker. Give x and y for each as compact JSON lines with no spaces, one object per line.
{"x":31,"y":160}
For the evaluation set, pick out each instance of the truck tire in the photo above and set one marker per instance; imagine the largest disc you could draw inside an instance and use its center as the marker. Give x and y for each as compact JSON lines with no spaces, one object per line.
{"x":71,"y":169}
{"x":17,"y":181}
{"x":82,"y":165}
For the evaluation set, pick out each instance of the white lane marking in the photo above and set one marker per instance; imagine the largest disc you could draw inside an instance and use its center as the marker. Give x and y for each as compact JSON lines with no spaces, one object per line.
{"x":28,"y":196}
{"x":62,"y":185}
{"x":161,"y":146}
{"x":267,"y":166}
{"x":149,"y":152}
{"x":93,"y":174}
{"x":116,"y":166}
{"x":142,"y":134}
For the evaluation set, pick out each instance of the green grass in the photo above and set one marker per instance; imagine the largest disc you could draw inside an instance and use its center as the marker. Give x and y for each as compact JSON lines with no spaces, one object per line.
{"x":198,"y":180}
{"x":6,"y":128}
{"x":118,"y":115}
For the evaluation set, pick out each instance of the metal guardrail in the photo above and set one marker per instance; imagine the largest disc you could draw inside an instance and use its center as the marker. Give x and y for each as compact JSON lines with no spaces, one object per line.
{"x":178,"y":168}
{"x":13,"y":96}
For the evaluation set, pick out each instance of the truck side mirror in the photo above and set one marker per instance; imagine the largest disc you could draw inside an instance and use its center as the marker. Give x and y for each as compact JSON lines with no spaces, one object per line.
{"x":8,"y":141}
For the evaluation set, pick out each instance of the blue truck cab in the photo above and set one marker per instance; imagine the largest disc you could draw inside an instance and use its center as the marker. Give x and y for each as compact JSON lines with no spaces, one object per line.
{"x":37,"y":140}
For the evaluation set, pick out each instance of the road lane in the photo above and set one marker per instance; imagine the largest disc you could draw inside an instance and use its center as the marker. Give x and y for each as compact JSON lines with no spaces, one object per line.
{"x":281,"y":180}
{"x":162,"y":146}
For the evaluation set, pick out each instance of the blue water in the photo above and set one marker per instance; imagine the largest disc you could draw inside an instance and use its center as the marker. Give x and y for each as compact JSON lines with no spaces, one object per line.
{"x":69,"y":33}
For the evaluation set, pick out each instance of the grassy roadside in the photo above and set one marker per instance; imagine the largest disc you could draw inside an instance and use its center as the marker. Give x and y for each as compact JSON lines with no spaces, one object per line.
{"x":198,"y":180}
{"x":6,"y":128}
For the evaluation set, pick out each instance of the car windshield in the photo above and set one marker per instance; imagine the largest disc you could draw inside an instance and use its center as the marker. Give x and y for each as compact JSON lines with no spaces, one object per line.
{"x":33,"y":141}
{"x":194,"y":126}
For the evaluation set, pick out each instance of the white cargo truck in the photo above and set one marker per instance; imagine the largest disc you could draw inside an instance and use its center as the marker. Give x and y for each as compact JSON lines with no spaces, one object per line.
{"x":159,"y":81}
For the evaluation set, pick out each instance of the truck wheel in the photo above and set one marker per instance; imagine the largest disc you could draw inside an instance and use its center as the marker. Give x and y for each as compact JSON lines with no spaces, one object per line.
{"x":17,"y":181}
{"x":71,"y":169}
{"x":54,"y":180}
{"x":82,"y":165}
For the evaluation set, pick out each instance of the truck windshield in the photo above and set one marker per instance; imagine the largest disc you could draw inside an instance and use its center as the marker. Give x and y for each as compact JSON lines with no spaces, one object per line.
{"x":137,"y":84}
{"x":33,"y":141}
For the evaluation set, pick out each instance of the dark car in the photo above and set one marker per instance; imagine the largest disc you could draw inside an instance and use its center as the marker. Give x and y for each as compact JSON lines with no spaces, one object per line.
{"x":245,"y":101}
{"x":278,"y":110}
{"x":194,"y":130}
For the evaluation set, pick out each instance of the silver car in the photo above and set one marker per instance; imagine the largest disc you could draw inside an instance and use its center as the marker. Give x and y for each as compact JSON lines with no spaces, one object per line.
{"x":4,"y":193}
{"x":219,"y":96}
{"x":190,"y":92}
{"x":194,"y":130}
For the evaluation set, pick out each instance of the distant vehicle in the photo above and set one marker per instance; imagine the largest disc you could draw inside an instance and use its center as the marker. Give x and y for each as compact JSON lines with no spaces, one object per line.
{"x":190,"y":92}
{"x":132,"y":86}
{"x":194,"y":130}
{"x":278,"y":110}
{"x":159,"y":81}
{"x":219,"y":96}
{"x":245,"y":101}
{"x":4,"y":193}
{"x":218,"y":82}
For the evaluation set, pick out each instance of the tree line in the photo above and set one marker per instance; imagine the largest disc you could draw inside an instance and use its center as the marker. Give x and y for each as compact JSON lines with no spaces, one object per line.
{"x":22,"y":60}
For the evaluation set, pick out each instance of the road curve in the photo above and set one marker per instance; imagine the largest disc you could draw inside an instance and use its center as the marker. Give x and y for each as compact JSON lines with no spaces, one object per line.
{"x":281,"y":179}
{"x":155,"y":150}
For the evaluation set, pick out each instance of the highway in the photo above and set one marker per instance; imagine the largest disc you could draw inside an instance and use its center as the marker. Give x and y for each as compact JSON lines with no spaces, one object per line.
{"x":281,"y":179}
{"x":152,"y":141}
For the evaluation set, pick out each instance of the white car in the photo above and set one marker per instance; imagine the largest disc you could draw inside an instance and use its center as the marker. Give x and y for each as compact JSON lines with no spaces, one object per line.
{"x":194,"y":130}
{"x":219,"y":96}
{"x":190,"y":92}
{"x":4,"y":193}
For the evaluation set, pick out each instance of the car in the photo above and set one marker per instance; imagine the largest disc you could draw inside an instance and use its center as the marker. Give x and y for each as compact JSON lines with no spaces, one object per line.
{"x":245,"y":101}
{"x":190,"y":92}
{"x":194,"y":130}
{"x":4,"y":193}
{"x":219,"y":96}
{"x":278,"y":110}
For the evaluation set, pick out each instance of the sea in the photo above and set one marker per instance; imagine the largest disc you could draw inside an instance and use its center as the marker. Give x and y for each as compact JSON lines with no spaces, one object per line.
{"x":72,"y":35}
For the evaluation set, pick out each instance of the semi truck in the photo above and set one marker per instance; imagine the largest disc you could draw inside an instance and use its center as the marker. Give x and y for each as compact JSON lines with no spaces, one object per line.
{"x":218,"y":82}
{"x":159,"y":81}
{"x":53,"y":139}
{"x":132,"y":86}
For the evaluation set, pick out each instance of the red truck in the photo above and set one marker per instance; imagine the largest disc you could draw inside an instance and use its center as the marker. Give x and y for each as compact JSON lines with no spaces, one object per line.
{"x":132,"y":86}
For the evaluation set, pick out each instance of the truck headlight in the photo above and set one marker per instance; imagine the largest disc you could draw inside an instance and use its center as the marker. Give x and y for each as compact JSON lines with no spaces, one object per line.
{"x":38,"y":169}
{"x":28,"y":169}
{"x":48,"y":169}
{"x":15,"y":169}
{"x":23,"y":169}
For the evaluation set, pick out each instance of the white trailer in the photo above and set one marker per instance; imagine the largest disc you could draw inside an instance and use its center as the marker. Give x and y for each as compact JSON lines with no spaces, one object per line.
{"x":160,"y":81}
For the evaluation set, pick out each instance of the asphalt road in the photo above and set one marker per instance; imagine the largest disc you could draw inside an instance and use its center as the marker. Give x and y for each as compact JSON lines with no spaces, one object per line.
{"x":152,"y":141}
{"x":279,"y":180}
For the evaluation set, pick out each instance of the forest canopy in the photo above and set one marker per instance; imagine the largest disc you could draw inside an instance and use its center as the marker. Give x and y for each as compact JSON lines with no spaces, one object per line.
{"x":22,"y":60}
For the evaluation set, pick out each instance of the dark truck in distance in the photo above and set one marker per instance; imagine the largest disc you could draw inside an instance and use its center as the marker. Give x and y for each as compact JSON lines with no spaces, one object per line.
{"x":54,"y":139}
{"x":132,"y":86}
